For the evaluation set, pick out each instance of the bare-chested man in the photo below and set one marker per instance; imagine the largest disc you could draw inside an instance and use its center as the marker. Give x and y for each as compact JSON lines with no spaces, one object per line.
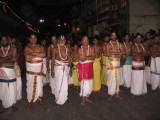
{"x":75,"y":61}
{"x":115,"y":50}
{"x":13,"y":43}
{"x":138,"y":84}
{"x":97,"y":65}
{"x":155,"y":64}
{"x":49,"y":60}
{"x":8,"y":89}
{"x":147,"y":44}
{"x":127,"y":67}
{"x":147,"y":40}
{"x":45,"y":79}
{"x":61,"y":69}
{"x":85,"y":67}
{"x":104,"y":59}
{"x":34,"y":55}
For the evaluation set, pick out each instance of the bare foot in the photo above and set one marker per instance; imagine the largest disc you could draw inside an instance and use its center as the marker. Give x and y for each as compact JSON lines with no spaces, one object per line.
{"x":42,"y":103}
{"x":21,"y":100}
{"x":77,"y":89}
{"x":132,"y":96}
{"x":14,"y":108}
{"x":89,"y":101}
{"x":29,"y":106}
{"x":52,"y":95}
{"x":110,"y":98}
{"x":4,"y":110}
{"x":67,"y":102}
{"x":154,"y":93}
{"x":57,"y":106}
{"x":144,"y":95}
{"x":82,"y":103}
{"x":119,"y":97}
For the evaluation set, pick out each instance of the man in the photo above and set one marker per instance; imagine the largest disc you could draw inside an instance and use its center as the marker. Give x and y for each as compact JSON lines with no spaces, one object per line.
{"x":147,"y":44}
{"x":49,"y":60}
{"x":155,"y":64}
{"x":75,"y":61}
{"x":138,"y":84}
{"x":68,"y":44}
{"x":104,"y":60}
{"x":13,"y":42}
{"x":115,"y":50}
{"x":45,"y":79}
{"x":148,"y":40}
{"x":127,"y":67}
{"x":85,"y":67}
{"x":8,"y":88}
{"x":34,"y":55}
{"x":61,"y":67}
{"x":96,"y":65}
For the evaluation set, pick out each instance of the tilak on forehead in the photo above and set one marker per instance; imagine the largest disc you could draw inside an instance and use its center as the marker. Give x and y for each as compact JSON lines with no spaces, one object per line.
{"x":62,"y":37}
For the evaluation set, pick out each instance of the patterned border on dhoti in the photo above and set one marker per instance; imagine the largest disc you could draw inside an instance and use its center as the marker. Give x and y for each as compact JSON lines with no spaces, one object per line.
{"x":138,"y":64}
{"x":112,"y":67}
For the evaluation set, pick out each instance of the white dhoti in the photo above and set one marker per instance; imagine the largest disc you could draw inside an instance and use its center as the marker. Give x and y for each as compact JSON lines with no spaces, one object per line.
{"x":127,"y":72}
{"x":121,"y":82}
{"x":138,"y":84}
{"x":113,"y":71}
{"x":61,"y":81}
{"x":70,"y":80}
{"x":8,"y":87}
{"x":19,"y":88}
{"x":34,"y":75}
{"x":148,"y":74}
{"x":52,"y":81}
{"x":45,"y":79}
{"x":85,"y":70}
{"x":155,"y":72}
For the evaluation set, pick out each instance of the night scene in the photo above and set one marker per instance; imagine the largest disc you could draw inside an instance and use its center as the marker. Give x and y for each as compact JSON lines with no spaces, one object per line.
{"x":79,"y":59}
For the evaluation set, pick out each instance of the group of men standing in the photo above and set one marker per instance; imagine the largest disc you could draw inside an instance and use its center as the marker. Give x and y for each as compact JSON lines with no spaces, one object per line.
{"x":110,"y":63}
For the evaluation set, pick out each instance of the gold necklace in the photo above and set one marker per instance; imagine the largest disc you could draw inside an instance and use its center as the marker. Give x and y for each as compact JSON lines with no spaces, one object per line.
{"x":126,"y":46}
{"x":5,"y":53}
{"x":113,"y":46}
{"x":138,"y":47}
{"x":60,"y":55}
{"x":87,"y":51}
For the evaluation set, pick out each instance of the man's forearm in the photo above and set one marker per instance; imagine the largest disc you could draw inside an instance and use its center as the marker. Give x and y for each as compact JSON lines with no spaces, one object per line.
{"x":39,"y":54}
{"x":11,"y":60}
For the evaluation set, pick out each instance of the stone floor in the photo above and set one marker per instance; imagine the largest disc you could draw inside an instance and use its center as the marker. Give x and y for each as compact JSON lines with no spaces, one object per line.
{"x":139,"y":108}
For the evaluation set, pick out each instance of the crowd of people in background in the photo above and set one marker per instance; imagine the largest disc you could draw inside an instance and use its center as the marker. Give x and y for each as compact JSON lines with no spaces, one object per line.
{"x":88,"y":64}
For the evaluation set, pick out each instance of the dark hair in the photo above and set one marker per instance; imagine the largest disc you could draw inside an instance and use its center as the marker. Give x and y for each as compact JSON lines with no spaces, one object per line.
{"x":3,"y":35}
{"x":73,"y":44}
{"x":155,"y":36}
{"x":113,"y":32}
{"x":148,"y":32}
{"x":97,"y":37}
{"x":33,"y":34}
{"x":61,"y":35}
{"x":43,"y":40}
{"x":105,"y":35}
{"x":53,"y":35}
{"x":127,"y":34}
{"x":138,"y":34}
